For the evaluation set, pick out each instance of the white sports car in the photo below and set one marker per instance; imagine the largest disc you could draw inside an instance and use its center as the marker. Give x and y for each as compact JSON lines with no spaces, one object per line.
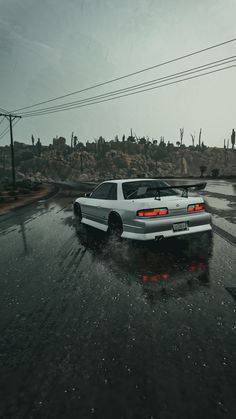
{"x":143,"y":209}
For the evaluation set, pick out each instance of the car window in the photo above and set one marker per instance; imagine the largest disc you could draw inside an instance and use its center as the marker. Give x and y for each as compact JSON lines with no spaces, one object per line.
{"x":112,"y":195}
{"x":131,"y":189}
{"x":105,"y":191}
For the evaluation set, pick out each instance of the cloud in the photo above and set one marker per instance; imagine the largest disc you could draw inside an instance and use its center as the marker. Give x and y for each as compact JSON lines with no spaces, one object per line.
{"x":52,"y":47}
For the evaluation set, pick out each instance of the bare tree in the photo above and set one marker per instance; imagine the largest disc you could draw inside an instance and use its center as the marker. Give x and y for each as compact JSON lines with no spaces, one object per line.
{"x":181,"y":135}
{"x":71,"y":140}
{"x":202,"y":170}
{"x":199,"y":137}
{"x":75,"y":141}
{"x":215,"y":173}
{"x":233,"y":138}
{"x":193,"y":138}
{"x":39,"y":147}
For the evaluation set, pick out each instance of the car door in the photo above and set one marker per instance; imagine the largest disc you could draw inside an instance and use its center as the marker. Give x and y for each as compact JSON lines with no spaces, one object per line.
{"x":101,"y":202}
{"x":106,"y":204}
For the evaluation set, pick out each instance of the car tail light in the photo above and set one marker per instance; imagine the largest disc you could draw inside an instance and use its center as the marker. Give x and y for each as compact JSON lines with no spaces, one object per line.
{"x":196,"y":207}
{"x":154,"y":212}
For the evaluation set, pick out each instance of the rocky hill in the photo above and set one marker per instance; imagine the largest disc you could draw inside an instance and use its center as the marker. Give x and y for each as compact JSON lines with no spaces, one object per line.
{"x":83,"y":164}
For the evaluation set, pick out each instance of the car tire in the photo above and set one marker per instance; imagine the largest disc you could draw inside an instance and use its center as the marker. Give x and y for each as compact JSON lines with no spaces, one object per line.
{"x":115,"y":226}
{"x":77,"y":212}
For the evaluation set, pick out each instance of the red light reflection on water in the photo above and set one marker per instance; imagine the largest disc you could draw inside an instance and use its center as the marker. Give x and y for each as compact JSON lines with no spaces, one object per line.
{"x":155,"y":278}
{"x":196,"y":266}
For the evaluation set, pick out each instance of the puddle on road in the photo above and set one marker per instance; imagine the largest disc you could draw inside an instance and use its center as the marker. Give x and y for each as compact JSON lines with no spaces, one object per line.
{"x":221,"y":204}
{"x":221,"y":187}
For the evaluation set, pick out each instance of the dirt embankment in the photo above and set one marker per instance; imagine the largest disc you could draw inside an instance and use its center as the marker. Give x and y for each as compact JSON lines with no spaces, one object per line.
{"x":22,"y":200}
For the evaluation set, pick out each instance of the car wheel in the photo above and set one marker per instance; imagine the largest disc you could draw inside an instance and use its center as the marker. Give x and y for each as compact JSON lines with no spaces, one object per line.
{"x":77,"y":212}
{"x":115,"y":227}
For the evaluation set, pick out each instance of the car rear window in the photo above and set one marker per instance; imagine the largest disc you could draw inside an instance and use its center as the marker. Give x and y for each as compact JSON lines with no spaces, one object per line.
{"x":130,"y":189}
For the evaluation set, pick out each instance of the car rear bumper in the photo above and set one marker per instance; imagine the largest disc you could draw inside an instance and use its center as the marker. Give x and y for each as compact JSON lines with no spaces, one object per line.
{"x":163,"y":228}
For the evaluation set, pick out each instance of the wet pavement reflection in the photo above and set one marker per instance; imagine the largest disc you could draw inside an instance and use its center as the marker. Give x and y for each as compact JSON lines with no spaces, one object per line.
{"x":164,"y":269}
{"x":97,"y":328}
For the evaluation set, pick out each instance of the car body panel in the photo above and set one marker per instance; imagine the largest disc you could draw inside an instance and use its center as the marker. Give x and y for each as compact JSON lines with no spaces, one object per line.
{"x":93,"y":209}
{"x":96,"y":212}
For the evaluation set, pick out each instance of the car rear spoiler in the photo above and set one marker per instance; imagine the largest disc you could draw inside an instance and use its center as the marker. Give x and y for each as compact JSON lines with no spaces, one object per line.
{"x":185,"y":189}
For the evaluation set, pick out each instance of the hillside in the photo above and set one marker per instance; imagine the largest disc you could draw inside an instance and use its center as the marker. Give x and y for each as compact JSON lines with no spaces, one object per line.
{"x":135,"y":160}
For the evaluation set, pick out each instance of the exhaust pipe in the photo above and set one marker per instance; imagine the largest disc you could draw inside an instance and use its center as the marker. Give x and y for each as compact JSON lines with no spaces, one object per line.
{"x":158,"y":238}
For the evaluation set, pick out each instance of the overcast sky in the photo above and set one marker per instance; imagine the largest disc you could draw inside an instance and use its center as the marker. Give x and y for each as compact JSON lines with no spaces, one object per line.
{"x":51,"y":47}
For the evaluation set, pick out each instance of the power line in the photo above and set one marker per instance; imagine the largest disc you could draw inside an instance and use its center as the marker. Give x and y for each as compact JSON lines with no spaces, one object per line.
{"x":130,"y":74}
{"x":4,"y":132}
{"x":120,"y":96}
{"x":7,"y":129}
{"x":3,"y":110}
{"x":134,"y":87}
{"x":138,"y":86}
{"x":127,"y":94}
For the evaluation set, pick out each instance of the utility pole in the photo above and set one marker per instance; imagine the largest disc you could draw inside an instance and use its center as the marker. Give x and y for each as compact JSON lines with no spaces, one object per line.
{"x":11,"y":118}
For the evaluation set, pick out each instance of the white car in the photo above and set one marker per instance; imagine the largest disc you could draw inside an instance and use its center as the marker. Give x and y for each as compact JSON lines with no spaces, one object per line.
{"x":143,"y":209}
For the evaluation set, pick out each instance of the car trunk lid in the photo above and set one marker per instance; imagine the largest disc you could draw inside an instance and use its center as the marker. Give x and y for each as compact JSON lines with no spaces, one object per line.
{"x":176,"y":205}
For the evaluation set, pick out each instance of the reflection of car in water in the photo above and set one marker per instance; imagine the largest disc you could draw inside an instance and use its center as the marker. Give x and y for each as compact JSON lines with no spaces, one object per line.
{"x":171,"y":267}
{"x":143,"y":209}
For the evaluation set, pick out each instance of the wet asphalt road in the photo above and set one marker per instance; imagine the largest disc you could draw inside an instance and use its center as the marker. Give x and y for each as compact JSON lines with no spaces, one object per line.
{"x":92,"y":328}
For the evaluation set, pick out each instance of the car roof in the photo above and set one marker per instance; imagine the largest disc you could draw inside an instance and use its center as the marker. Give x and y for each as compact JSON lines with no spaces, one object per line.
{"x":128,"y":180}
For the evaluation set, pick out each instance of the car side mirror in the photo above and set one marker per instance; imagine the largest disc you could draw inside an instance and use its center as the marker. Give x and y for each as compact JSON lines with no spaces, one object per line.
{"x":87,"y":194}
